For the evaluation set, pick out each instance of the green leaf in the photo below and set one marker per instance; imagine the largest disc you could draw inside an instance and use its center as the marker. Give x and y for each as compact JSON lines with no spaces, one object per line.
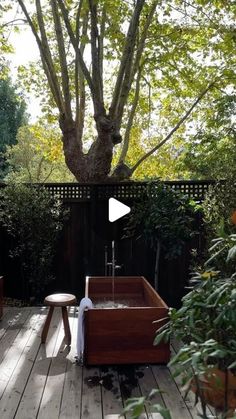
{"x":162,"y":410}
{"x":231,"y":254}
{"x":231,"y":366}
{"x":160,"y":337}
{"x":135,"y":406}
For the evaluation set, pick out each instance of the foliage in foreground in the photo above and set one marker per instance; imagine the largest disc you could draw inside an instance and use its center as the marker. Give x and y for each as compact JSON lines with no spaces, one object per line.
{"x":206,"y":321}
{"x":33,"y":220}
{"x":135,"y":406}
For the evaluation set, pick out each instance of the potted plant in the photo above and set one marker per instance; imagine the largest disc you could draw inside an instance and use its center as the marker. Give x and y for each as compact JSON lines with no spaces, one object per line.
{"x":206,"y":325}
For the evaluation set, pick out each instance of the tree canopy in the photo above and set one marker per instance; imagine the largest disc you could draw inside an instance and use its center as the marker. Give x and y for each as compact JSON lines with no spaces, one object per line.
{"x":37,"y":156}
{"x":5,"y":46}
{"x":136,"y":66}
{"x":211,"y":152}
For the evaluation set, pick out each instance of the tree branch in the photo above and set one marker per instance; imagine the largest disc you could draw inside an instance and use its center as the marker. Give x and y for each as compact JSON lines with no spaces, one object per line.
{"x":80,"y":84}
{"x":127,"y":56}
{"x":132,"y":69}
{"x":73,"y":40}
{"x":100,"y":43}
{"x":181,"y":121}
{"x":96,"y":59}
{"x":38,"y":173}
{"x":62,"y":59}
{"x":50,"y":73}
{"x":47,"y":54}
{"x":3,"y":25}
{"x":130,"y":119}
{"x":49,"y":174}
{"x":77,"y":21}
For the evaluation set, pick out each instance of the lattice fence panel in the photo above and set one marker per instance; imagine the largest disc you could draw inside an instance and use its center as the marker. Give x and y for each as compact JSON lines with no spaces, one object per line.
{"x":123,"y":191}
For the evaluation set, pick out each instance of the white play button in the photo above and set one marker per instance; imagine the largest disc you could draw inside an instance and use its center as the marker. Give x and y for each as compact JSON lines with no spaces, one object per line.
{"x":117,"y":209}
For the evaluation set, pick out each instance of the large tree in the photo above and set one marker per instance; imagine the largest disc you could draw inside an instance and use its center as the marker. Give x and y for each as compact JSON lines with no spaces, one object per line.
{"x":113,"y":55}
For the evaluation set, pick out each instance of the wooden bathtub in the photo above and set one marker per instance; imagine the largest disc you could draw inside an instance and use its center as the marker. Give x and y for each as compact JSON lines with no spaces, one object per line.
{"x":123,"y":335}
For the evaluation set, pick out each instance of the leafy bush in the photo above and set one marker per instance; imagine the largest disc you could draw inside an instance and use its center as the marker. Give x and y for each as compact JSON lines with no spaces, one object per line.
{"x":162,"y":215}
{"x":33,"y":219}
{"x":164,"y":218}
{"x":218,"y":207}
{"x":135,"y":406}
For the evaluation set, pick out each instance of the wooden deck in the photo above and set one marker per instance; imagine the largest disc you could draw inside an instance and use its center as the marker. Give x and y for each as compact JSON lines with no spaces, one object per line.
{"x":44,"y":381}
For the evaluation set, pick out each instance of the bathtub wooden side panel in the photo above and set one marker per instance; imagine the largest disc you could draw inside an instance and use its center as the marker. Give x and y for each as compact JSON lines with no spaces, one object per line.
{"x":120,"y":336}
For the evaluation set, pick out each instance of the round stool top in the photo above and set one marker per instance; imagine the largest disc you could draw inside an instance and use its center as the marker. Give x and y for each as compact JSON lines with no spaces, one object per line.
{"x":60,"y":300}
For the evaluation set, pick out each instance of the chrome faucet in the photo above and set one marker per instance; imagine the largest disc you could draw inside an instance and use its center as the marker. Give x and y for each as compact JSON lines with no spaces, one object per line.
{"x":111,"y":267}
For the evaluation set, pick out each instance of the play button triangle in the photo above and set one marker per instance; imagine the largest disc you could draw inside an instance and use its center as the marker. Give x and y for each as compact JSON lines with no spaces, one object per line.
{"x":117,"y":209}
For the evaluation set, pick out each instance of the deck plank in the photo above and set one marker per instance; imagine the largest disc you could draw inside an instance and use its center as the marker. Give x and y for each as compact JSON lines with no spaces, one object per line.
{"x":12,"y":394}
{"x":147,"y":383}
{"x":51,"y":401}
{"x":71,"y":397}
{"x":171,"y":394}
{"x":30,"y":402}
{"x":194,"y":408}
{"x":44,"y":381}
{"x":15,"y":326}
{"x":129,"y":383}
{"x":10,"y":355}
{"x":111,"y":394}
{"x":91,"y":394}
{"x":7,"y":319}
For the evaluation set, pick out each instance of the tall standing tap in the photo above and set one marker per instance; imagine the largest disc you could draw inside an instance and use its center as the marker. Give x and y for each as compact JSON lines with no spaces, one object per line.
{"x":113,"y":261}
{"x":111,"y":267}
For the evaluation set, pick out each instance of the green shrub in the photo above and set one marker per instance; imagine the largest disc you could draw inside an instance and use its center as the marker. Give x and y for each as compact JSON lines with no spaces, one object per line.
{"x":33,"y":219}
{"x":164,"y":219}
{"x":218,"y":206}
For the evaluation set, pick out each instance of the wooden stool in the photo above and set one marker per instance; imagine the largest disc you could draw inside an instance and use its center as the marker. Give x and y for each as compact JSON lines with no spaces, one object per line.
{"x":58,"y":300}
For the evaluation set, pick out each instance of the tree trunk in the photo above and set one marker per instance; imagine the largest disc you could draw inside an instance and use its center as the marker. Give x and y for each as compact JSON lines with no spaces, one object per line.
{"x":94,"y":166}
{"x":99,"y":158}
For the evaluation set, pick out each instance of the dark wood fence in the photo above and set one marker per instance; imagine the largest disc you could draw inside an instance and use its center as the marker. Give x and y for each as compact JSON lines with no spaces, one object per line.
{"x":81,"y":249}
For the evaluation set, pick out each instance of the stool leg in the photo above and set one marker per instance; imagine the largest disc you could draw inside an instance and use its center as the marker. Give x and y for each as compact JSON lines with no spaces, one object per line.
{"x":46,"y":325}
{"x":66,"y":325}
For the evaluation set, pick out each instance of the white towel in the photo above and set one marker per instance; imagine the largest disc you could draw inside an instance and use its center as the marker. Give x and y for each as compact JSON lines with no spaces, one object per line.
{"x":85,"y":303}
